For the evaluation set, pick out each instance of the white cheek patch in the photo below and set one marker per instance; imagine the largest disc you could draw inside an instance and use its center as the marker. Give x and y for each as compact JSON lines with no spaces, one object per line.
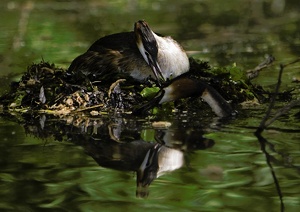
{"x":168,"y":95}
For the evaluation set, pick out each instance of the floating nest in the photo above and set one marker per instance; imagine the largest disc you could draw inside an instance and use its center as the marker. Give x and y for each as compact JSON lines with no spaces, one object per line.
{"x":45,"y":88}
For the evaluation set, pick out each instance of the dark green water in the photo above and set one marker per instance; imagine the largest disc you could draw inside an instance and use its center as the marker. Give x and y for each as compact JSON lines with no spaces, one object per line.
{"x":48,"y":163}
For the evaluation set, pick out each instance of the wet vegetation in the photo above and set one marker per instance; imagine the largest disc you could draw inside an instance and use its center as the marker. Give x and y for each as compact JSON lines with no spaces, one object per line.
{"x":45,"y":88}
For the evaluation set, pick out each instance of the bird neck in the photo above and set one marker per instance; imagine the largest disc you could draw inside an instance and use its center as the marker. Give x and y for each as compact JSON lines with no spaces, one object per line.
{"x":171,"y":57}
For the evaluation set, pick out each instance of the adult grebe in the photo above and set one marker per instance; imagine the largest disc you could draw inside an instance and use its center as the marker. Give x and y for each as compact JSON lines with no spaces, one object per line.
{"x":140,"y":54}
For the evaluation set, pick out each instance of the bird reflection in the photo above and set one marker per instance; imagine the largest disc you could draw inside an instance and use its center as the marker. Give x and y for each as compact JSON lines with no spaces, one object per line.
{"x":122,"y":150}
{"x":116,"y":143}
{"x":167,"y":155}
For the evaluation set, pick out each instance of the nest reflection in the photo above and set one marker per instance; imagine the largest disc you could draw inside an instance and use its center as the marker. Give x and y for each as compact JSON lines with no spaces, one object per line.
{"x":116,"y":143}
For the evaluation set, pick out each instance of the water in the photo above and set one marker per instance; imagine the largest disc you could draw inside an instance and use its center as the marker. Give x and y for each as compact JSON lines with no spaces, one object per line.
{"x":72,"y":164}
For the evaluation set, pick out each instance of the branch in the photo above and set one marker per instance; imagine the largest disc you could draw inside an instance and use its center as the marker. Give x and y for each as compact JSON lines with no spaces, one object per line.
{"x":265,"y":122}
{"x":262,"y":125}
{"x":282,"y":111}
{"x":290,"y":63}
{"x":253,"y":73}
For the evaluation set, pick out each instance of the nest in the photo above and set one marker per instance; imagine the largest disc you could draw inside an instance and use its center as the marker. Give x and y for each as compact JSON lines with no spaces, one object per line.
{"x":45,"y":88}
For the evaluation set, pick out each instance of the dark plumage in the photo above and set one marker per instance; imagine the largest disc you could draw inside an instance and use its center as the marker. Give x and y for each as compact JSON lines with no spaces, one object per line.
{"x":139,"y":54}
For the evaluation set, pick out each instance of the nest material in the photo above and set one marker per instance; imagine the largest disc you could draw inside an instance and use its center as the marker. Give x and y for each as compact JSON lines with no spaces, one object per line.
{"x":49,"y":89}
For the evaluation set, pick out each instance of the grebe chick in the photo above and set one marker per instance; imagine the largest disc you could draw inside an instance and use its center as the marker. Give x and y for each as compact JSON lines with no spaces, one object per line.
{"x":183,"y":87}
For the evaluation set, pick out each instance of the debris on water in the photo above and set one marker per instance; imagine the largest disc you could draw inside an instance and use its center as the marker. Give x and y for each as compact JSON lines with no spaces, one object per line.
{"x":161,"y":124}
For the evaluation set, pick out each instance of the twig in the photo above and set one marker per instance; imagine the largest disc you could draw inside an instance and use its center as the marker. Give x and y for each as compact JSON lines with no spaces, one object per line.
{"x":265,"y":122}
{"x":282,"y":111}
{"x":290,"y":63}
{"x":253,"y":73}
{"x":114,"y":85}
{"x":262,"y":124}
{"x":88,"y":108}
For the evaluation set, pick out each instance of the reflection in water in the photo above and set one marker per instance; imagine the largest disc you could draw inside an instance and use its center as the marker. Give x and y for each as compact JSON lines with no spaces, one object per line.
{"x":263,"y":143}
{"x":158,"y":161}
{"x":116,"y":144}
{"x":167,"y":156}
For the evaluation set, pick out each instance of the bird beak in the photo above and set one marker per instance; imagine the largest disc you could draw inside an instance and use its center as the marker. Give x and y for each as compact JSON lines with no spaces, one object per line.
{"x":156,"y":69}
{"x":147,"y":172}
{"x":147,"y":46}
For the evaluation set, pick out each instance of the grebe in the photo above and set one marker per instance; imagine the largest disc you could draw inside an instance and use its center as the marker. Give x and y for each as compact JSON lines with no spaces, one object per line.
{"x":143,"y":54}
{"x":139,"y":54}
{"x":184,"y":86}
